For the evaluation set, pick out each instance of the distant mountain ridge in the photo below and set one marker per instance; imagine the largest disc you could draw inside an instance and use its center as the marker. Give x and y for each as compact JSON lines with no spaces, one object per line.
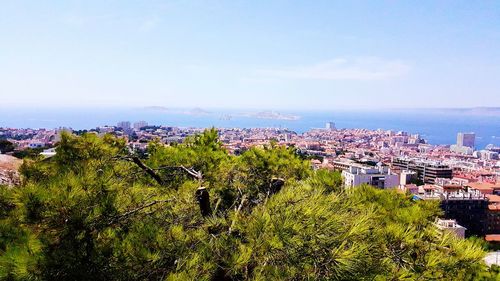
{"x":481,"y":110}
{"x":477,"y":110}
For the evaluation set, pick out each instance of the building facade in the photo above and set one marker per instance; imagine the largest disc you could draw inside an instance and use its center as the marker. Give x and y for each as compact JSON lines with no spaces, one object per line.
{"x":469,"y":210}
{"x":466,"y":139}
{"x":450,"y":226}
{"x":380,"y":176}
{"x":330,"y":126}
{"x":140,"y":124}
{"x":427,"y":171}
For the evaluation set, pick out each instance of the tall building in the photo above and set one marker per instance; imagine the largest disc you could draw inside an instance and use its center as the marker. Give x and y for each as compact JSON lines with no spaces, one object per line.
{"x":465,"y":143}
{"x":125,"y":125}
{"x":427,"y":171}
{"x":468,"y":207}
{"x":468,"y":210}
{"x":466,"y":139}
{"x":60,"y":131}
{"x":330,"y":126}
{"x":140,"y":124}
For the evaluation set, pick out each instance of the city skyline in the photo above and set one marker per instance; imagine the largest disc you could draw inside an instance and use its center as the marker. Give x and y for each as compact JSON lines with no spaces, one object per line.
{"x":235,"y":54}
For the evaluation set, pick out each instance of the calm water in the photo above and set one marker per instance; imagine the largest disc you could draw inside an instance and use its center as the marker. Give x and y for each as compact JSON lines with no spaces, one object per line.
{"x":435,"y":126}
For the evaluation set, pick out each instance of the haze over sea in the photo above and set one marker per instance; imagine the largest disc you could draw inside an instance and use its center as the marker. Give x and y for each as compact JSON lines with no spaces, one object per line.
{"x":436,"y":126}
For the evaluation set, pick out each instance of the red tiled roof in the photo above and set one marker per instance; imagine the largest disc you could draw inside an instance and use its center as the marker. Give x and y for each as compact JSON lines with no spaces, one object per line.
{"x":493,"y":198}
{"x":481,"y":185}
{"x":492,"y":237}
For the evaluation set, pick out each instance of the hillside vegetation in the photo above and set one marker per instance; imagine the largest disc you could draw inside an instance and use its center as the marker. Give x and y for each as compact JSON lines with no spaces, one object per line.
{"x":193,"y":212}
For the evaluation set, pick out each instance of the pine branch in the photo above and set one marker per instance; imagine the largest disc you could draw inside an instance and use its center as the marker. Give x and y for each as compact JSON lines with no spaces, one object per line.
{"x":143,"y":166}
{"x":190,"y":171}
{"x":133,"y":211}
{"x":152,"y":172}
{"x":147,"y":169}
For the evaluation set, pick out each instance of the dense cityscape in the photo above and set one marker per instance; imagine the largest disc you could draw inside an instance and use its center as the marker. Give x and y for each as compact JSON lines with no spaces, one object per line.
{"x":465,"y":180}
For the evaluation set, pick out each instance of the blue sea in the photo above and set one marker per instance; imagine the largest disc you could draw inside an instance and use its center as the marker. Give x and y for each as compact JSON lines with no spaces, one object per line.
{"x":436,"y":126}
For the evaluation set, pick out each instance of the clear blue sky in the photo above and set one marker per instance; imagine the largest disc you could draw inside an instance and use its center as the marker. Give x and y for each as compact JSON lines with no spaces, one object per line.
{"x":250,"y":54}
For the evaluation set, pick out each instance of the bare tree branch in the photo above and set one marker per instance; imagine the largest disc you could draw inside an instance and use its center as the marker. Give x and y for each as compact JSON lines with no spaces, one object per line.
{"x":147,"y":169}
{"x":133,"y":211}
{"x":143,"y":166}
{"x":190,"y":171}
{"x":202,"y":195}
{"x":243,"y":200}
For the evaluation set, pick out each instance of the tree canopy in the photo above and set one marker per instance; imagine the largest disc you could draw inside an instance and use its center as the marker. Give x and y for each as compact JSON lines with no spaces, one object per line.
{"x":6,"y":146}
{"x":97,"y":211}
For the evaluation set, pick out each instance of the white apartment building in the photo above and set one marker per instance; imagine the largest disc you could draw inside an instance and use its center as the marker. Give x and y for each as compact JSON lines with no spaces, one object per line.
{"x":450,"y":226}
{"x":379,"y":176}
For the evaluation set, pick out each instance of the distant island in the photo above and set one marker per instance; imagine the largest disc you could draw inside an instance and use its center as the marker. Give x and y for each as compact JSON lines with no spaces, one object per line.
{"x":272,"y":115}
{"x":156,"y":108}
{"x":197,"y":111}
{"x":194,"y":111}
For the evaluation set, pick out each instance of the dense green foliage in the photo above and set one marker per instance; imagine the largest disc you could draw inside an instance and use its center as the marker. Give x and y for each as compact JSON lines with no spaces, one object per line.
{"x":89,"y":213}
{"x":27,"y":153}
